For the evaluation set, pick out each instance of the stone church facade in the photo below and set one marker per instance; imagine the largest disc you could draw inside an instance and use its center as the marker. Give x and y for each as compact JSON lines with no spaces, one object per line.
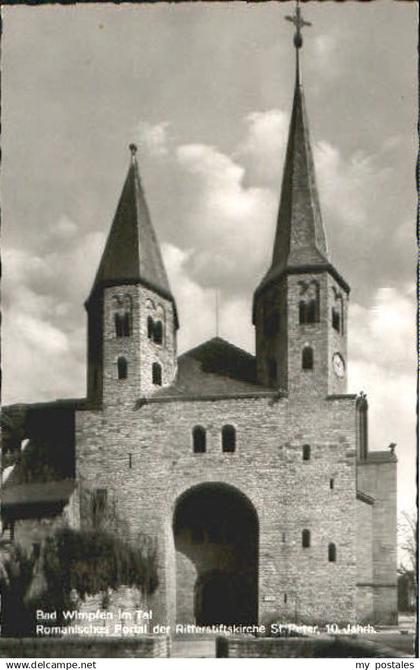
{"x":252,"y":473}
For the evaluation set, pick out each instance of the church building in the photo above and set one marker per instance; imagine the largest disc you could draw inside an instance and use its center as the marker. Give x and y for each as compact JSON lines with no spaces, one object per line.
{"x":252,"y":474}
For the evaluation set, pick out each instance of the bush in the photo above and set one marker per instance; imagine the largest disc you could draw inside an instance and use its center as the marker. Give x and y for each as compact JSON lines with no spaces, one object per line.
{"x":17,"y":616}
{"x":85,"y":562}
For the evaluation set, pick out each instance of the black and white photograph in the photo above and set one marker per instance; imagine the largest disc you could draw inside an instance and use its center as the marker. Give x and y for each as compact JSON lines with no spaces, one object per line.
{"x":208,"y":337}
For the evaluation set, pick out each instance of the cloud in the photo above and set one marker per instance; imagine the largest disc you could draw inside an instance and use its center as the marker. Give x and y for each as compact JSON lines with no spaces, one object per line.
{"x":197,"y":307}
{"x":154,"y":137}
{"x":64,"y":229}
{"x":263,"y":148}
{"x":383,"y":334}
{"x":43,"y":336}
{"x":382,"y":362}
{"x":225,"y":221}
{"x":39,"y":359}
{"x":325,"y":53}
{"x":194,"y":302}
{"x":347,"y":186}
{"x":392,"y":142}
{"x":235,"y":322}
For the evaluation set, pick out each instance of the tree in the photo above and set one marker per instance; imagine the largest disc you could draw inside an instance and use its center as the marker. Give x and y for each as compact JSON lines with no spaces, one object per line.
{"x":408,"y":536}
{"x":408,"y":532}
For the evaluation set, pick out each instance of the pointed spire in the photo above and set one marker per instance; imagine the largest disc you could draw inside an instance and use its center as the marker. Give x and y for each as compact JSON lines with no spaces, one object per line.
{"x":300,"y":237}
{"x":132,"y":253}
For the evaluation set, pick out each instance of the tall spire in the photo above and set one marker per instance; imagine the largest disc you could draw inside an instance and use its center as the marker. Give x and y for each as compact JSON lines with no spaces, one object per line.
{"x":300,"y":238}
{"x":132,"y":253}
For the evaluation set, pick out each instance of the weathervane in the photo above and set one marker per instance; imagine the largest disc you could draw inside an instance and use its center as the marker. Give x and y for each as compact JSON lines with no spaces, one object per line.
{"x":299,"y":23}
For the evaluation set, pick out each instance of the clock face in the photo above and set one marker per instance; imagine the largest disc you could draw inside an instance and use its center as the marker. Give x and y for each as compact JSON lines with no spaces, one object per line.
{"x":338,"y":365}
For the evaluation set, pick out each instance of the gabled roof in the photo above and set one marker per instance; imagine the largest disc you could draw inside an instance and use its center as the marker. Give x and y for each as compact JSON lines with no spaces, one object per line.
{"x":218,"y":356}
{"x":132,"y":253}
{"x":215,"y":367}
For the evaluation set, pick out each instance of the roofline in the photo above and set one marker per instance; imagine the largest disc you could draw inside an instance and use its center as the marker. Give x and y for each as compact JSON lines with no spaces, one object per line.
{"x":342,"y":396}
{"x":378,"y":585}
{"x":190,"y":352}
{"x":387,"y":458}
{"x":210,"y":396}
{"x":105,"y":283}
{"x":364,"y":497}
{"x":71,"y":403}
{"x":313,"y":268}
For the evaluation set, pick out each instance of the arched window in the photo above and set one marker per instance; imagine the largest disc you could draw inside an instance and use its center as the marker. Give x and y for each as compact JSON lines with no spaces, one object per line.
{"x":337,"y":311}
{"x":228,"y":439}
{"x":332,"y":553}
{"x":122,"y":368}
{"x":157,"y":374}
{"x":306,"y":452}
{"x":306,"y":538}
{"x":154,"y":330}
{"x":311,"y":312}
{"x":335,"y":319}
{"x":150,"y":327}
{"x":307,"y":358}
{"x":121,"y":306}
{"x":199,"y":439}
{"x":118,"y":321}
{"x":158,"y":332}
{"x":331,"y":483}
{"x":309,"y":302}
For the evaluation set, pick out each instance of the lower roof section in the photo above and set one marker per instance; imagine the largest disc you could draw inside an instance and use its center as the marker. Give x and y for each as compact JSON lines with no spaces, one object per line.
{"x":37,"y":493}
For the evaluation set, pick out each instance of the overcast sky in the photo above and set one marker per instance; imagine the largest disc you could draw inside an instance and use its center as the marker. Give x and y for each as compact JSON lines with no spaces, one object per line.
{"x":206,"y":91}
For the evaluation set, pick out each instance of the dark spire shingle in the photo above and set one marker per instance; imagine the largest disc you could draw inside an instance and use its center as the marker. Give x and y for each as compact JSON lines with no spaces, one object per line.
{"x":300,"y":237}
{"x":132,"y":252}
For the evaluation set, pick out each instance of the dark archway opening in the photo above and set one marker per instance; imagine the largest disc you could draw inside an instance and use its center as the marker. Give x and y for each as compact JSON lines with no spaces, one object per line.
{"x":216,"y":540}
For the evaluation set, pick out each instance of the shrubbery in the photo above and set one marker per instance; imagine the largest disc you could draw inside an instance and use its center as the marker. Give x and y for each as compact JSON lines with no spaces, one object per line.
{"x":82,"y":562}
{"x":16,"y":575}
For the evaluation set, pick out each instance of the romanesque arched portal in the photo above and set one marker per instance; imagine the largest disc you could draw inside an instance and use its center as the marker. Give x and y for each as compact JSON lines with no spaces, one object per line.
{"x":216,"y":540}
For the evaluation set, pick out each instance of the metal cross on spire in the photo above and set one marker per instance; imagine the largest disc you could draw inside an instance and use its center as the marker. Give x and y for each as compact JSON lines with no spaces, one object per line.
{"x":299,"y":23}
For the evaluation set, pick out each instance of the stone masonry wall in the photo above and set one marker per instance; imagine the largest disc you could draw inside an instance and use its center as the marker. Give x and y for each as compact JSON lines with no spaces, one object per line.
{"x":337,"y":341}
{"x":139,"y":351}
{"x":379,"y":481}
{"x":288,"y":494}
{"x":364,"y":541}
{"x":287,"y":344}
{"x":272,"y":346}
{"x":364,"y":561}
{"x":308,"y":382}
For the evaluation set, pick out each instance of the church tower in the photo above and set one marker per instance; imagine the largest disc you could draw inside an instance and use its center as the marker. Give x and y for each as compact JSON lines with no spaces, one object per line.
{"x":300,"y":306}
{"x":132,"y":316}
